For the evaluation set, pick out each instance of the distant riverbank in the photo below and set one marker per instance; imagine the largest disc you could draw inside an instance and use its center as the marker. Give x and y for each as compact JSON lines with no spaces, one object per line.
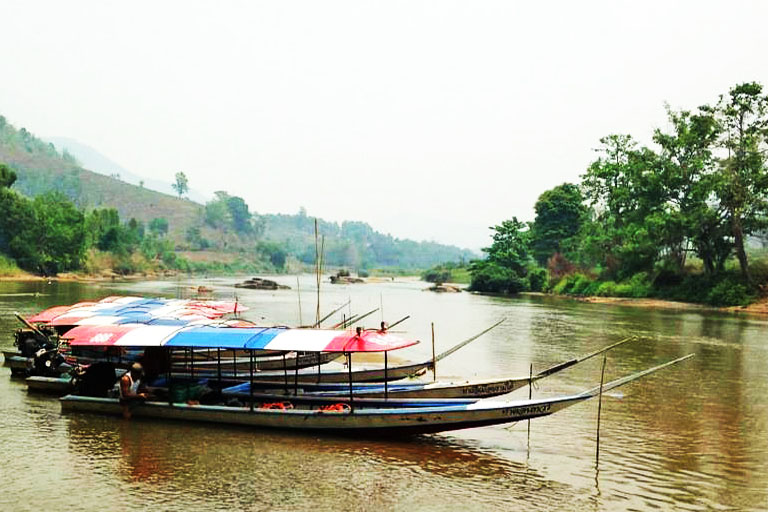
{"x":759,"y":307}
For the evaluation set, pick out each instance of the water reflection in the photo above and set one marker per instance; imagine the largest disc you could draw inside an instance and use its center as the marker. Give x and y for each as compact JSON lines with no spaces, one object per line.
{"x":159,"y":457}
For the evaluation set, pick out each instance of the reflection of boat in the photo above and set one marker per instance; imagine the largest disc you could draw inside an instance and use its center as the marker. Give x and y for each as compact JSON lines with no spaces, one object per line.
{"x":408,"y":417}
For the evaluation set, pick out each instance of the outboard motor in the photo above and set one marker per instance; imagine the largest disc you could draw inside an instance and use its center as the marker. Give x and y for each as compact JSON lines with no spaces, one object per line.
{"x":49,"y":363}
{"x":29,"y":342}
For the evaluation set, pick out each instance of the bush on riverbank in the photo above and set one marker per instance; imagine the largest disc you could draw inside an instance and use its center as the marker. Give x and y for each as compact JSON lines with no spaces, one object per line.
{"x":8,"y":267}
{"x":724,"y":290}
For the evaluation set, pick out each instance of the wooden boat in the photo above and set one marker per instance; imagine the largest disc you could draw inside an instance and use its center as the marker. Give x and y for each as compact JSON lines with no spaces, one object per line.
{"x":404,"y":420}
{"x":483,"y":388}
{"x":324,"y":374}
{"x":51,"y":385}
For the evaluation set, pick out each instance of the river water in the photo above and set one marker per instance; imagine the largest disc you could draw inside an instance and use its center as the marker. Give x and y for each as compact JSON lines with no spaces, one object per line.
{"x":692,"y":437}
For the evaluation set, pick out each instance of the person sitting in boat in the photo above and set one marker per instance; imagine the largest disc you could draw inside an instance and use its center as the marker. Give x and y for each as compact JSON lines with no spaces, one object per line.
{"x":132,"y":389}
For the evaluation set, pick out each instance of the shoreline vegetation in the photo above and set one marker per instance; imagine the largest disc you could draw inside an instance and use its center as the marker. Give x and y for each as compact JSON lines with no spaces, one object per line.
{"x":684,"y":219}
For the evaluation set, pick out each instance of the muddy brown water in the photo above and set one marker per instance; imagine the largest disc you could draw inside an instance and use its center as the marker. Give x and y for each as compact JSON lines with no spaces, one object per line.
{"x":693,"y":437}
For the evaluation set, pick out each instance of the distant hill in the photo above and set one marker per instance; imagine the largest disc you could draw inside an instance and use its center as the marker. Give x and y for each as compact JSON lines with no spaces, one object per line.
{"x":41,"y":168}
{"x":93,"y":160}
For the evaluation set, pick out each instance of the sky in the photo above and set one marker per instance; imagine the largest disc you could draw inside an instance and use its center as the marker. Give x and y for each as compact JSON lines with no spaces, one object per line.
{"x":427,"y":120}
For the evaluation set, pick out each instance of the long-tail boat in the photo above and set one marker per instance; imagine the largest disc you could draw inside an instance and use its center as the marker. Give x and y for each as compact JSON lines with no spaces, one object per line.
{"x":406,"y":418}
{"x":475,"y":388}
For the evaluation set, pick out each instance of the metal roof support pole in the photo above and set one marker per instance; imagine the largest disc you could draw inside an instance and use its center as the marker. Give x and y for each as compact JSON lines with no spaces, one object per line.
{"x":250,"y":388}
{"x":386,"y":377}
{"x":168,"y":376}
{"x":296,"y":375}
{"x":351,"y":394}
{"x":285,"y":374}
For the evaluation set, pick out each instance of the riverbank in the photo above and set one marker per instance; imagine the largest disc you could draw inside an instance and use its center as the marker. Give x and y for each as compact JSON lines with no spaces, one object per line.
{"x":759,"y":307}
{"x":89,"y":278}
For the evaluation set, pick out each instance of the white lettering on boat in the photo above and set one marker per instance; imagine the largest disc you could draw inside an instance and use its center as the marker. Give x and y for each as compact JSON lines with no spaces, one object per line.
{"x":529,"y":410}
{"x":485,"y":389}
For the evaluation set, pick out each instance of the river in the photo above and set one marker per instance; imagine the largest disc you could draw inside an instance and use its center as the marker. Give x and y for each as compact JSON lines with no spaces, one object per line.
{"x":692,"y":437}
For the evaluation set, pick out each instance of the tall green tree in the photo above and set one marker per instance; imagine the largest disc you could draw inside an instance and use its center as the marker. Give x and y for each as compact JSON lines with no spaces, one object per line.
{"x":60,"y":228}
{"x":560,"y":213}
{"x":688,"y":167}
{"x":624,"y":189}
{"x":743,"y":183}
{"x":181,"y":185}
{"x":506,"y":267}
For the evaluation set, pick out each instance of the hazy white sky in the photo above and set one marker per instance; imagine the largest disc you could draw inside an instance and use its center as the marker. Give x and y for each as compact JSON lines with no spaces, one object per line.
{"x":428,"y":120}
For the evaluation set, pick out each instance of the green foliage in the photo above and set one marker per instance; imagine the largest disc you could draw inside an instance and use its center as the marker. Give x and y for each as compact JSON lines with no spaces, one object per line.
{"x":45,"y":235}
{"x":447,"y":273}
{"x":489,"y":276}
{"x":537,"y":279}
{"x":158,"y":226}
{"x":728,"y":293}
{"x":275,"y":253}
{"x":8,"y":267}
{"x":195,"y":239}
{"x":181,"y":185}
{"x":505,"y":270}
{"x":60,"y":230}
{"x":559,"y":215}
{"x":434,"y":275}
{"x":7,"y":176}
{"x":510,"y":246}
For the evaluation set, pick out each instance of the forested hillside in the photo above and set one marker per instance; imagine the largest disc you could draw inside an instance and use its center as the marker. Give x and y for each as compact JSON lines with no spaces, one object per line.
{"x":226,"y":225}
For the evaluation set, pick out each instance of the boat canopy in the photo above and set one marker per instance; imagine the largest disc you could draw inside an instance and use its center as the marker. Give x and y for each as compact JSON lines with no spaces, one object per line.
{"x":137,"y":309}
{"x":224,"y":337}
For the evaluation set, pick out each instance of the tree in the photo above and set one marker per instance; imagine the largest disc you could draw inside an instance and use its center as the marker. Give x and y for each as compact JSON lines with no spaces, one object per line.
{"x":687,"y":171}
{"x":7,"y":176}
{"x":158,"y":226}
{"x":625,"y":191}
{"x":60,"y":228}
{"x":238,"y":212}
{"x":182,"y":184}
{"x":559,"y":215}
{"x":743,"y":182}
{"x":217,"y":212}
{"x":505,"y":268}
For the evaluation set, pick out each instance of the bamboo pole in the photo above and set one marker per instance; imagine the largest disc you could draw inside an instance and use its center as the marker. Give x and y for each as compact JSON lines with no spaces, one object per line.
{"x":530,"y":397}
{"x":298,"y":291}
{"x":317,"y":273}
{"x":599,"y":410}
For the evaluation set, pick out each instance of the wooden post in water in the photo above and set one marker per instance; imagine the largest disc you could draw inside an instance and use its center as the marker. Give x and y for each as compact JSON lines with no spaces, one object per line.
{"x":434,"y":359}
{"x":599,"y":409}
{"x":298,"y":291}
{"x":530,"y":397}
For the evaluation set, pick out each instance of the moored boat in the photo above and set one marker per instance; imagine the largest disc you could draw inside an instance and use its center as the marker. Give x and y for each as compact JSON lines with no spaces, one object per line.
{"x":407,"y":420}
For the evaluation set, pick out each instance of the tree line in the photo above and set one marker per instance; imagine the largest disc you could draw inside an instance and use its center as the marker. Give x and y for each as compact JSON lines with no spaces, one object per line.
{"x":48,"y":234}
{"x":672,"y":220}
